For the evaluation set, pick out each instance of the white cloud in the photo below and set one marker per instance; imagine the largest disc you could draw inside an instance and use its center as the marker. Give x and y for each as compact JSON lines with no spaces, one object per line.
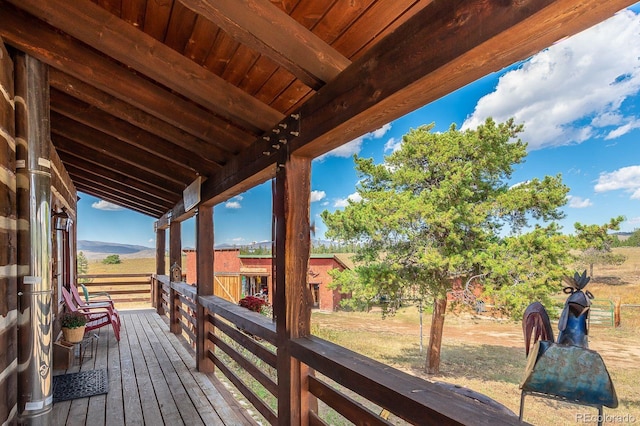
{"x":579,"y":202}
{"x":634,"y":221}
{"x":237,"y":240}
{"x":233,"y":205}
{"x":151,"y":240}
{"x":377,"y":134}
{"x":626,"y":178}
{"x":105,"y":205}
{"x":238,"y":197}
{"x":574,"y":90}
{"x":393,"y":145}
{"x":344,"y":202}
{"x":624,"y":129}
{"x":317,"y":195}
{"x":349,"y":149}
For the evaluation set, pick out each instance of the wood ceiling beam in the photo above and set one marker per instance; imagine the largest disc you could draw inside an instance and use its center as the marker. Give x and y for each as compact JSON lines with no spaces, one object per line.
{"x":99,"y":158}
{"x":125,"y":193}
{"x":68,"y":55}
{"x":268,"y":30}
{"x":119,"y":201}
{"x":441,"y":48}
{"x":109,"y":177}
{"x":214,"y":149}
{"x":132,"y":135}
{"x":114,"y":37}
{"x":119,"y":150}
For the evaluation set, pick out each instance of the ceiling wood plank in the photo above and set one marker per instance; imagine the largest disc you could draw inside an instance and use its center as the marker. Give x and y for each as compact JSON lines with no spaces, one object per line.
{"x":120,"y":200}
{"x":103,"y":31}
{"x":72,"y":57}
{"x":122,"y":191}
{"x":211,"y":150}
{"x":94,"y":172}
{"x":473,"y":38}
{"x":275,"y":34}
{"x":118,"y":150}
{"x":122,"y":130}
{"x":115,"y":149}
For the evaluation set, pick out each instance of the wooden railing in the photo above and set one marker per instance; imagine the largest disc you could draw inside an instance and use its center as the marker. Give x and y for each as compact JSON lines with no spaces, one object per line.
{"x":243,"y":345}
{"x":123,"y":288}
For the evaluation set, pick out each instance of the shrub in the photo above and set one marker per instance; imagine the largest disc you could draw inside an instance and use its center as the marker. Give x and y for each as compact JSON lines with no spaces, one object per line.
{"x":112,"y":259}
{"x":252,"y":303}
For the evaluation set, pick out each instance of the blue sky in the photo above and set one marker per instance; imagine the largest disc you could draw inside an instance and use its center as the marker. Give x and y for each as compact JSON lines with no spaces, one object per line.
{"x":579,"y":101}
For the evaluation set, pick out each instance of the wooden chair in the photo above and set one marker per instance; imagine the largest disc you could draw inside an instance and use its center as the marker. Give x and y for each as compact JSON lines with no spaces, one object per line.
{"x":96,"y":316}
{"x":104,"y":296}
{"x":106,"y":304}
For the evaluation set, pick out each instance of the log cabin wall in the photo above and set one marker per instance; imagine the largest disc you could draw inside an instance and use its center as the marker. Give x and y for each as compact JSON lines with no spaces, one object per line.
{"x":8,"y":254}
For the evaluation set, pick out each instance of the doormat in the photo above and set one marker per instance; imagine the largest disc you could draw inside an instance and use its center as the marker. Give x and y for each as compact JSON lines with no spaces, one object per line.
{"x":80,"y":385}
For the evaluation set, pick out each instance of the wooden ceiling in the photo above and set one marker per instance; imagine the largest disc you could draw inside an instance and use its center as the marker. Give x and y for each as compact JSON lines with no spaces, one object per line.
{"x":147,"y":95}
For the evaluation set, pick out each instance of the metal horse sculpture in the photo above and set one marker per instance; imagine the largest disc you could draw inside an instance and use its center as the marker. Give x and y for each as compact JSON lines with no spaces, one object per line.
{"x":566,"y":369}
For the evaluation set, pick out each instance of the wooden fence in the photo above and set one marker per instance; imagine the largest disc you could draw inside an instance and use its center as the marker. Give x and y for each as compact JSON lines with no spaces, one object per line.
{"x":129,"y":289}
{"x":243,"y":345}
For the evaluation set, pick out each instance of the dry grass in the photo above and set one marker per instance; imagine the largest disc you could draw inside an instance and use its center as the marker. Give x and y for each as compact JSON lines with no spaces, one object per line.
{"x":485,"y":354}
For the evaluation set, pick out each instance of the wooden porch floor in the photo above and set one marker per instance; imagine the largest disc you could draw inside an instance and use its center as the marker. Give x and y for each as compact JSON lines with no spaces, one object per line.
{"x":152,"y":381}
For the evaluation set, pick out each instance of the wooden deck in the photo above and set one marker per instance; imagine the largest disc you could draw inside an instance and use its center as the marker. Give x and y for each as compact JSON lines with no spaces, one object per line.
{"x":152,"y":381}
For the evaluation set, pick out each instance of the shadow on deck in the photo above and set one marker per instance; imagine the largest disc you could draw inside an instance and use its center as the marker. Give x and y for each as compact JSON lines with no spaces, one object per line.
{"x":152,"y":380}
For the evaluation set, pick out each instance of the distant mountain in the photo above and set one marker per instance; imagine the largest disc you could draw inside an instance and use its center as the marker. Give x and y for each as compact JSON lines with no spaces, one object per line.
{"x":100,"y":250}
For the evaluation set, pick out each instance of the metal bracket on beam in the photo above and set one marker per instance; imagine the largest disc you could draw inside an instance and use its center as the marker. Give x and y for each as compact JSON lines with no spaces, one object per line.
{"x":284,"y":132}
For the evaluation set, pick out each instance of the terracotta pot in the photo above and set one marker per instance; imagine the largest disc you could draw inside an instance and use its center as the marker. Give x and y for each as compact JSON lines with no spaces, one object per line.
{"x":73,"y":335}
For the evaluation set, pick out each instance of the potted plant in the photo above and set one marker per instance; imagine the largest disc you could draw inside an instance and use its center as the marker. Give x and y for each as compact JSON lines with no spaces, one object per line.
{"x":73,"y":325}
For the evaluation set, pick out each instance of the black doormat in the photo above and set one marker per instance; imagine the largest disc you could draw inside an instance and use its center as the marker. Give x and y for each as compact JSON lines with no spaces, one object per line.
{"x":80,"y":385}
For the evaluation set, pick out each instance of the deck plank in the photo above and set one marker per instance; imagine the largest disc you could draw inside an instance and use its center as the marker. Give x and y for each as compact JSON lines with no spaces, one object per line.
{"x":150,"y":408}
{"x":114,"y":402}
{"x":185,"y":367}
{"x":168,"y":407}
{"x":171,"y":371}
{"x":217,"y":401}
{"x":152,"y":381}
{"x":97,"y":404}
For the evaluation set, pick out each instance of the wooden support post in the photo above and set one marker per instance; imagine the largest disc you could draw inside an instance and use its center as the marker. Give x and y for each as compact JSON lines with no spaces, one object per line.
{"x":161,"y":269}
{"x":292,"y":301}
{"x":8,"y":254}
{"x":617,"y":312}
{"x":175,"y":259}
{"x":204,"y":262}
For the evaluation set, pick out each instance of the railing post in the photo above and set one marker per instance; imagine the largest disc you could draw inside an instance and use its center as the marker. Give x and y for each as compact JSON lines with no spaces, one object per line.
{"x":175,"y":258}
{"x":161,"y":269}
{"x":292,"y":304}
{"x":204,"y":253}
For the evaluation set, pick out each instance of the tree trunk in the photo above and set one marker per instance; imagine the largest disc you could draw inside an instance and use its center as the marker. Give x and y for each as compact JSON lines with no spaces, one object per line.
{"x":591,"y":270}
{"x":432,"y":365}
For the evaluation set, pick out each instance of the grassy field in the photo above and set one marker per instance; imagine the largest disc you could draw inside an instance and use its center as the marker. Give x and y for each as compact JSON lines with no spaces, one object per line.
{"x":483,"y":353}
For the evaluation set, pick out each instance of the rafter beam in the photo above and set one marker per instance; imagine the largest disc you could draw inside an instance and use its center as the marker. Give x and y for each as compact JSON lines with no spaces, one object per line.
{"x":81,"y":166}
{"x":114,"y":37}
{"x":119,"y":200}
{"x":72,"y":57}
{"x":268,"y":30}
{"x":126,"y":194}
{"x":139,"y":192}
{"x":214,"y":149}
{"x":119,"y":150}
{"x":99,"y":158}
{"x":96,"y":119}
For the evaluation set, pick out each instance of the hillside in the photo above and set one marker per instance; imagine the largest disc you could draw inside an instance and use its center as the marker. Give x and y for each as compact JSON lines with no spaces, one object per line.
{"x":99,"y":250}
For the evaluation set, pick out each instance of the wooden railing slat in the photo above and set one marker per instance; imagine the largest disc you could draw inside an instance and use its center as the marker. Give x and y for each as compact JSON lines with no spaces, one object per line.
{"x":241,"y":338}
{"x":254,"y":399}
{"x":347,"y":407}
{"x":247,"y":365}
